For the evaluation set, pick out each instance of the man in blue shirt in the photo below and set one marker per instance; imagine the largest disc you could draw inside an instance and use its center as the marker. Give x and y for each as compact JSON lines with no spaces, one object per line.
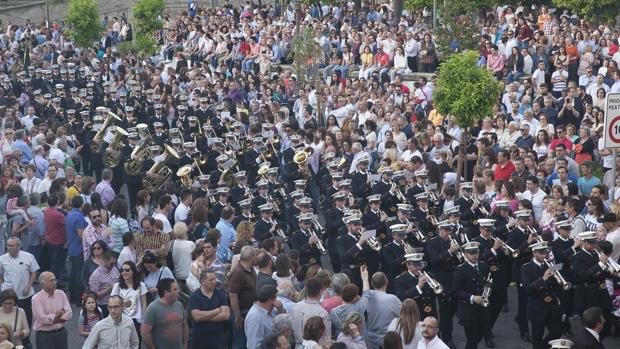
{"x":22,"y":146}
{"x":587,"y":181}
{"x":75,"y":224}
{"x":209,"y":309}
{"x":228,"y":232}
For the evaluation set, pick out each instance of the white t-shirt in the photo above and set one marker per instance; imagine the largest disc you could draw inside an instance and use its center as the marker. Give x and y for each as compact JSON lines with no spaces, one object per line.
{"x":537,"y":202}
{"x":135,"y":310}
{"x":182,"y":257}
{"x":180,"y":214}
{"x":416,"y":337}
{"x":167,"y":227}
{"x":57,"y":154}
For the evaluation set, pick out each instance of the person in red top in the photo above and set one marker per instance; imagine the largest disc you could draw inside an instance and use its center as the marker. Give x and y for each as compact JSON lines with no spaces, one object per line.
{"x":383,"y":61}
{"x":562,"y":139}
{"x":573,"y":59}
{"x":504,"y":167}
{"x":55,"y":233}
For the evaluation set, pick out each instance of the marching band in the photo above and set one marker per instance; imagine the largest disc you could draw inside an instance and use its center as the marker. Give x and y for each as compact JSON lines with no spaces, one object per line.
{"x":458,"y":260}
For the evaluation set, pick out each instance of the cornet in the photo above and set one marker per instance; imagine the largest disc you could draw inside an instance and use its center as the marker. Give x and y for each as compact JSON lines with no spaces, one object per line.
{"x":316,"y":224}
{"x":459,"y":253}
{"x":372,"y":241}
{"x":558,"y":277}
{"x":436,"y":286}
{"x":399,"y":194}
{"x":481,"y":207}
{"x":609,"y":266}
{"x":507,"y":249}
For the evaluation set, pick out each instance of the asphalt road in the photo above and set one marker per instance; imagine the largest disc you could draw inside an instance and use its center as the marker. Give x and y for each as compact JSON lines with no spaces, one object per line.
{"x":506,"y":331}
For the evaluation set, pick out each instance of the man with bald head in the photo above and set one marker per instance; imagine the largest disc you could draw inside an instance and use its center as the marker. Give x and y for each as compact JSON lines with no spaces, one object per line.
{"x":430,"y":327}
{"x":50,"y":311}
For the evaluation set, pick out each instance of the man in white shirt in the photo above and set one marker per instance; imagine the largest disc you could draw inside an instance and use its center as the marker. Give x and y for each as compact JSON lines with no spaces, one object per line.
{"x":593,"y":88}
{"x":611,"y":224}
{"x":182,"y":211}
{"x":44,"y":185}
{"x":30,"y":184}
{"x":28,"y":119}
{"x":430,"y":340}
{"x":412,"y":47}
{"x":538,"y":77}
{"x":307,"y":308}
{"x":161,"y":213}
{"x":535,"y":195}
{"x":18,"y":271}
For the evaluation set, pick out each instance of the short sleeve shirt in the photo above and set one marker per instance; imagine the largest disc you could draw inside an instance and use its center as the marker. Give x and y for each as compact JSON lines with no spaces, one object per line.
{"x":243,"y":283}
{"x":167,"y":324}
{"x":16,"y":272}
{"x":208,"y":331}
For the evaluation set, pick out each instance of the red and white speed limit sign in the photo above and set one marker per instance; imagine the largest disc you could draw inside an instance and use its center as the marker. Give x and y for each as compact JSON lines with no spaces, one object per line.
{"x":612,"y":121}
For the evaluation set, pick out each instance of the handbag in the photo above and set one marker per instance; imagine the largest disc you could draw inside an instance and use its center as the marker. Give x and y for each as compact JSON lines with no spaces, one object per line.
{"x":149,"y":296}
{"x":169,"y":260}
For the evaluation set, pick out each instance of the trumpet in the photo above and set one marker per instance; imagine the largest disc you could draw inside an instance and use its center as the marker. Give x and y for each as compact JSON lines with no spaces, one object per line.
{"x":459,"y":253}
{"x":436,"y":286}
{"x":319,"y":244}
{"x":558,"y":276}
{"x":512,"y":220}
{"x":611,"y":267}
{"x":486,"y":291}
{"x":274,"y":204}
{"x":432,"y":196}
{"x":432,"y":219}
{"x":507,"y":249}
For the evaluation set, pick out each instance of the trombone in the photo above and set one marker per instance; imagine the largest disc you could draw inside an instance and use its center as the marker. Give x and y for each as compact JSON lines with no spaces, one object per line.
{"x":436,"y":286}
{"x":558,"y":276}
{"x":319,"y":244}
{"x":481,"y":207}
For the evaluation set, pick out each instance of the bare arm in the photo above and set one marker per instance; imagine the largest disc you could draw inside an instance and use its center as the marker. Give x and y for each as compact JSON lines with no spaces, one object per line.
{"x":147,"y":339}
{"x":205,"y":315}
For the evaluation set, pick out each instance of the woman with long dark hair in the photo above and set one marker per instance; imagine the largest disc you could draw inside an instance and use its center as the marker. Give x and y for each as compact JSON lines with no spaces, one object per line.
{"x":133,"y":291}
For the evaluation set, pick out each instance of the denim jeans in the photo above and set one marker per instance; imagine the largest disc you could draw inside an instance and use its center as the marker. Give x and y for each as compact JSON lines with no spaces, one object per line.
{"x":239,"y":340}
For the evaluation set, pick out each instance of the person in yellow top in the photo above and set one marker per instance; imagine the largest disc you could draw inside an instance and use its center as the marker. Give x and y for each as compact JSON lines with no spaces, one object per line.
{"x":76,"y":188}
{"x":435,"y":117}
{"x":368,"y":61}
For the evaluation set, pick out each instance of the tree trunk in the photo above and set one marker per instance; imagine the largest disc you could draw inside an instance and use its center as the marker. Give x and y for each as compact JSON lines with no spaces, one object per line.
{"x":461,"y":163}
{"x":398,"y":9}
{"x":317,"y":82}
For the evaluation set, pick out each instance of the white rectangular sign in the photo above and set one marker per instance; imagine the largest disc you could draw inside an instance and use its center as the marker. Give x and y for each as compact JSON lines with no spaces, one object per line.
{"x":612,"y":121}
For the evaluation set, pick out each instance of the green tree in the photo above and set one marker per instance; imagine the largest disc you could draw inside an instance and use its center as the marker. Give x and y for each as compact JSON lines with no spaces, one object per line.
{"x":599,"y":9}
{"x":307,"y":55}
{"x":466,"y":91}
{"x":147,"y":17}
{"x":83,"y":17}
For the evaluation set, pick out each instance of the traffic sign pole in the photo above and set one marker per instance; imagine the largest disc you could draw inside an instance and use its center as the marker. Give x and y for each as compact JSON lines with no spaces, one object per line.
{"x":613,"y":175}
{"x":611,"y":138}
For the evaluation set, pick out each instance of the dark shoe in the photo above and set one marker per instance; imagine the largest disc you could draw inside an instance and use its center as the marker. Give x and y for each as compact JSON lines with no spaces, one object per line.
{"x":505,"y":308}
{"x":489,"y":342}
{"x":526,"y":337}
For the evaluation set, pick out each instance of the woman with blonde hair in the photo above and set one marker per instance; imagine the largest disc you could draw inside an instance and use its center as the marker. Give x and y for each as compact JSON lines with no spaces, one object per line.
{"x":352,"y":329}
{"x":181,"y":249}
{"x":245,"y":232}
{"x":392,"y":154}
{"x":407,"y":325}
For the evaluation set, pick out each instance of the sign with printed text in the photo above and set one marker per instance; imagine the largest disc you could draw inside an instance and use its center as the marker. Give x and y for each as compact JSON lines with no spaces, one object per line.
{"x":612,"y":121}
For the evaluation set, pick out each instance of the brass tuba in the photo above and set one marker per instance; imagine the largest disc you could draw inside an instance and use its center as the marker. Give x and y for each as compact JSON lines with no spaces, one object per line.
{"x":133,"y":166}
{"x":98,"y":140}
{"x":159,"y":173}
{"x":184,"y":174}
{"x":301,"y":159}
{"x":112,"y":155}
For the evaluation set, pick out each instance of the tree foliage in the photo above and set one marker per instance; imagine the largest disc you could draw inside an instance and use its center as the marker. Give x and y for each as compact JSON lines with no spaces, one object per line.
{"x":83,"y":17}
{"x":416,"y":5}
{"x":465,"y":90}
{"x":601,"y":9}
{"x":147,"y":17}
{"x":306,"y":53}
